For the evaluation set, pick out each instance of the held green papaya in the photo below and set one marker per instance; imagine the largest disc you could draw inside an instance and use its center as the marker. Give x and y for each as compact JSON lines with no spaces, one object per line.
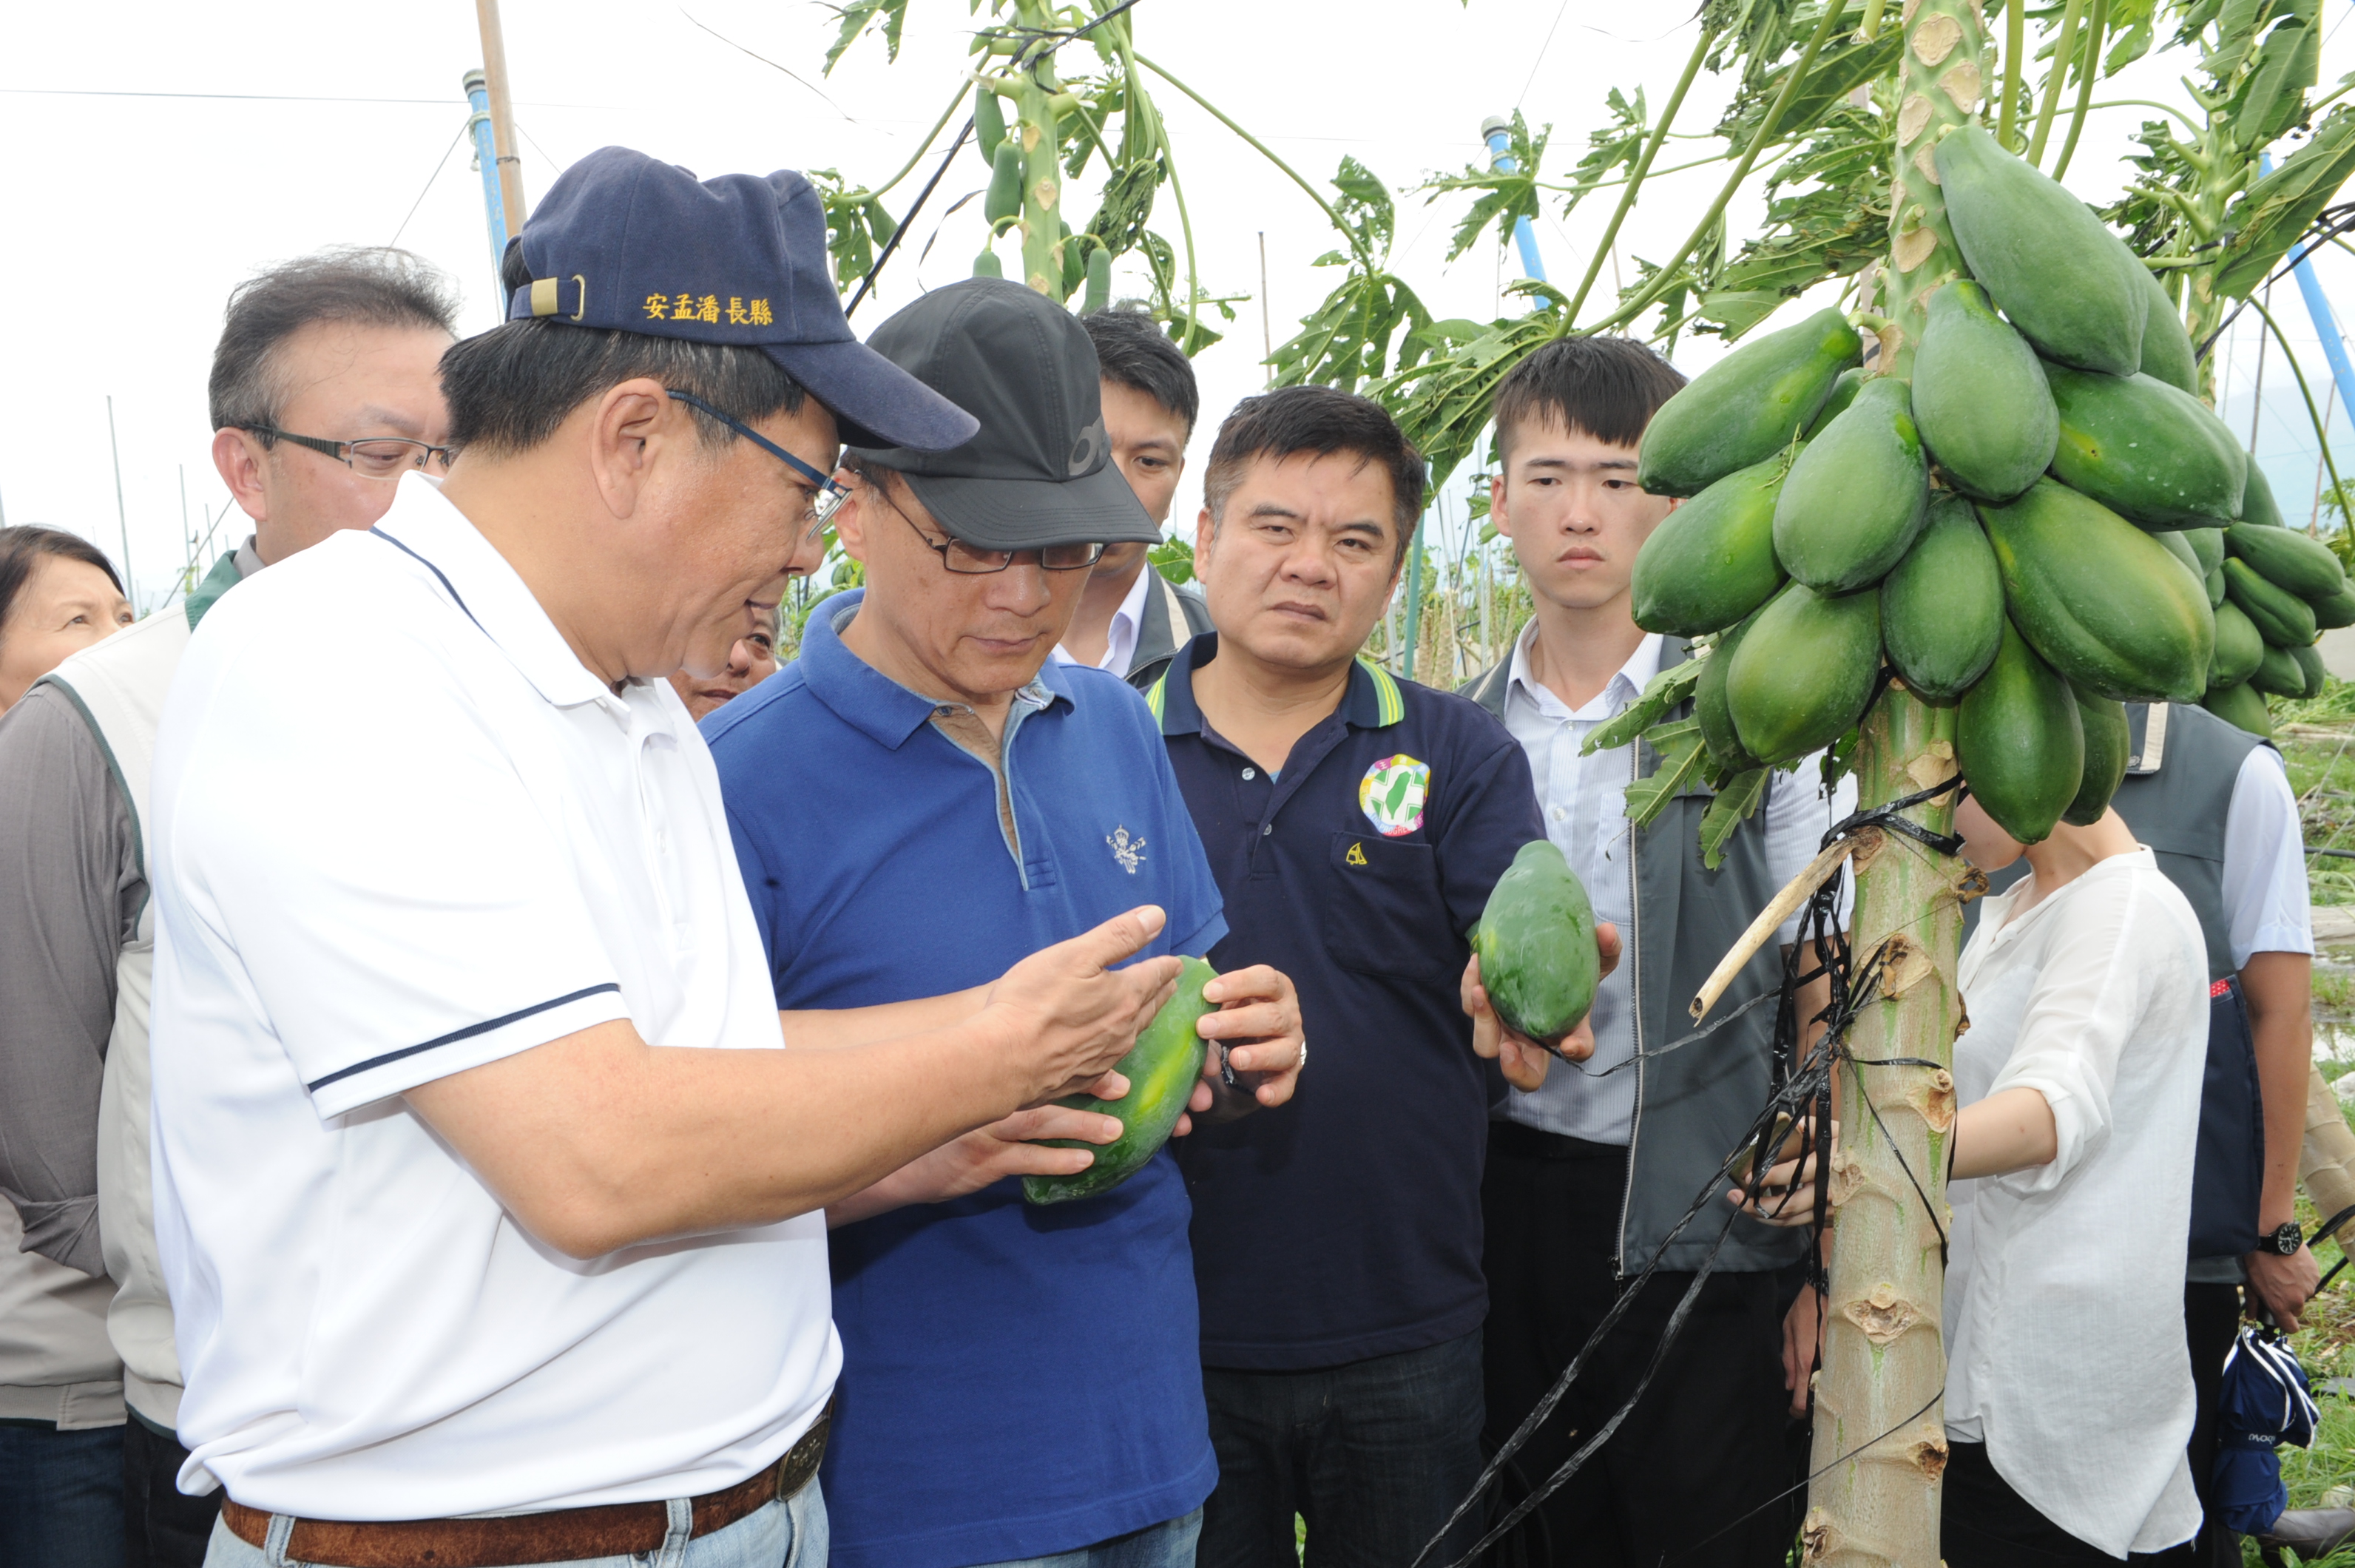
{"x":2309,"y":663}
{"x":2099,"y":600}
{"x":1716,"y":720}
{"x":2277,"y":673}
{"x":2283,"y":618}
{"x":1711,"y":561}
{"x":2020,"y":742}
{"x":1980,"y":398}
{"x":2150,"y":452}
{"x":1843,"y":393}
{"x":2068,"y":284}
{"x":1942,"y":607}
{"x":2167,"y":351}
{"x":2239,"y":648}
{"x":2241,"y":705}
{"x":2287,"y":559}
{"x":1747,"y":407}
{"x":1856,"y":494}
{"x":2108,"y":740}
{"x":1803,"y":672}
{"x":1536,"y":945}
{"x":1161,"y":1070}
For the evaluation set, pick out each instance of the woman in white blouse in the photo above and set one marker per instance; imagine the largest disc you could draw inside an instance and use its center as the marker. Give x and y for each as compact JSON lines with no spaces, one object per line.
{"x":2068,"y":1395}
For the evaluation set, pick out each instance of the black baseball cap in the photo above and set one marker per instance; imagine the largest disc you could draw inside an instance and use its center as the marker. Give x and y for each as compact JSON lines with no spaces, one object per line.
{"x":1039,"y":471}
{"x":623,"y":242}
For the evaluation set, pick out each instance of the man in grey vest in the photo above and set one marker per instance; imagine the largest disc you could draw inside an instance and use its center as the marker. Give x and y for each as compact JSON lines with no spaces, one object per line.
{"x":326,"y":389}
{"x":1588,"y":1175}
{"x":2213,"y":802}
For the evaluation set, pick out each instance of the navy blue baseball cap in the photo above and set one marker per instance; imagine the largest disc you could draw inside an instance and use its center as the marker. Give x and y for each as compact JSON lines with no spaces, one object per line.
{"x":621,"y":242}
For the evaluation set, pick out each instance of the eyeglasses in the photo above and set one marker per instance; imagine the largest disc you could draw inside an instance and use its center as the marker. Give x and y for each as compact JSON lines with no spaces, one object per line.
{"x":826,"y":495}
{"x":377,"y":457}
{"x":971,"y":560}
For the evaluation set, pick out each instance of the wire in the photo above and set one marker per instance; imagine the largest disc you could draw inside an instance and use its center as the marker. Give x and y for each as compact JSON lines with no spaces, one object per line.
{"x":270,"y":97}
{"x":462,"y":127}
{"x":772,"y":65}
{"x":892,"y":244}
{"x":1532,"y":82}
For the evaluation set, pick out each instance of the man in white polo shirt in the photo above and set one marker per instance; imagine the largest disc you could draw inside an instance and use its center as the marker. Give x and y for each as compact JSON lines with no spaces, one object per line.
{"x":489,"y":1203}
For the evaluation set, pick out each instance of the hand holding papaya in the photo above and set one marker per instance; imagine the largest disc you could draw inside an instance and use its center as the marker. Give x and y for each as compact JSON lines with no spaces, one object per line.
{"x":1064,"y":1016}
{"x":1258,"y":1026}
{"x":1522,"y":1058}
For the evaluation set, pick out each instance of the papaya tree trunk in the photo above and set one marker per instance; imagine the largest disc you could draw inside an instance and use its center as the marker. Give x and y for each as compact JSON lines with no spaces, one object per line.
{"x":1879,"y":1436}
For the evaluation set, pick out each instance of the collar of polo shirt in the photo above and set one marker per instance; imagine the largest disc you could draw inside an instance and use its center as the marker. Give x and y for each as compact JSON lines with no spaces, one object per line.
{"x":872,"y":702}
{"x":1371,"y":702}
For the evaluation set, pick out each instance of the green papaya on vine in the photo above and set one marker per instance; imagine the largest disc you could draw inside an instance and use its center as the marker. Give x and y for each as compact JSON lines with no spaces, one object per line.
{"x":1980,"y":398}
{"x":2109,"y":741}
{"x":2334,"y":610}
{"x":1711,"y":561}
{"x":1803,"y":672}
{"x":1856,"y":494}
{"x":1003,"y":201}
{"x":1942,"y":607}
{"x":1843,"y":393}
{"x":2287,"y":559}
{"x":1747,"y":407}
{"x":2175,"y":546}
{"x":2215,"y":581}
{"x":2257,"y":504}
{"x":2152,"y":453}
{"x":2020,"y":741}
{"x":2309,"y":662}
{"x":2207,"y":545}
{"x":1716,"y":720}
{"x":2241,"y":705}
{"x":2278,"y":675}
{"x":2069,"y":285}
{"x":2167,"y":350}
{"x":1099,"y":293}
{"x":2239,"y":648}
{"x":987,"y":265}
{"x":2283,"y":618}
{"x":2099,"y":600}
{"x":988,"y":122}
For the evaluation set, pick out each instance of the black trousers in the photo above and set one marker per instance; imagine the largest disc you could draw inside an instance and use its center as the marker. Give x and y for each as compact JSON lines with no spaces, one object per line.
{"x":1983,"y":1523}
{"x":2212,"y":1317}
{"x":163,"y":1527}
{"x":1692,"y":1476}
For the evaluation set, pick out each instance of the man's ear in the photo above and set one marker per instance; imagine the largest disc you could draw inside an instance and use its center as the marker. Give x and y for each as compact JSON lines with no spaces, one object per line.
{"x":850,"y":517}
{"x":632,"y":428}
{"x":1206,"y":539}
{"x":1499,"y":512}
{"x":240,"y":460}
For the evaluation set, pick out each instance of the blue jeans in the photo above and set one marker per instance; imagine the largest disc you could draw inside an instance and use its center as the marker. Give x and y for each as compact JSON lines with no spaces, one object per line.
{"x":788,"y":1533}
{"x":1374,"y":1455}
{"x":61,"y":1496}
{"x":1170,"y":1544}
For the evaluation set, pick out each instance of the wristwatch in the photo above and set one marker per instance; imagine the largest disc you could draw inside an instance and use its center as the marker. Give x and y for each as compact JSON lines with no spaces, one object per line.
{"x":2284,"y":1241}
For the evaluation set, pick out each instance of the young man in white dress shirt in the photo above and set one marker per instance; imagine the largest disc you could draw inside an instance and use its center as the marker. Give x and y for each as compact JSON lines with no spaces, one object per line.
{"x":1588,"y":1175}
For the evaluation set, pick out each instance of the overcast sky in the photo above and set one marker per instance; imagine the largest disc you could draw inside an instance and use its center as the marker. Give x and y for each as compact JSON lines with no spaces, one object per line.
{"x":195,"y":143}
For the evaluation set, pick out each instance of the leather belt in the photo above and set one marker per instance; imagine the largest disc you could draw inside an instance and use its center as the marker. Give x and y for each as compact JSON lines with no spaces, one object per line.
{"x":566,"y":1535}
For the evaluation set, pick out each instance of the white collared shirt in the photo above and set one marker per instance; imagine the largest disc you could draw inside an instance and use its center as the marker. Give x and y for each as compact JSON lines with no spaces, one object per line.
{"x":1584,"y":800}
{"x":401,"y":831}
{"x":2064,"y":1293}
{"x":1120,"y":638}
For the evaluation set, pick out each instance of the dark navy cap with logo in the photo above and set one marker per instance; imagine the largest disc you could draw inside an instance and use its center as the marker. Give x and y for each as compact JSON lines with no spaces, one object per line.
{"x":1039,"y":472}
{"x":624,"y":242}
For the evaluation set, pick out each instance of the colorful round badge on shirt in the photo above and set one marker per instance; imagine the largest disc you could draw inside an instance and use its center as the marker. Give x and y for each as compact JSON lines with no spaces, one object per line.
{"x":1391,"y":795}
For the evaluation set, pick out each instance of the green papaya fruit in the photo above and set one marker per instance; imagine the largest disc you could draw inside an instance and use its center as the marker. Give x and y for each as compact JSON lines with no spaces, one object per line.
{"x":1856,"y":494}
{"x":1980,"y":396}
{"x":2099,"y":600}
{"x":2257,"y":504}
{"x":1711,"y":561}
{"x":1099,"y":293}
{"x":1843,"y":393}
{"x":2020,"y":742}
{"x":2309,"y":661}
{"x":2283,"y":618}
{"x":1716,"y":720}
{"x":2215,"y":582}
{"x":1942,"y":607}
{"x":2278,"y":675}
{"x":2108,"y":742}
{"x":2148,"y":452}
{"x":2287,"y":559}
{"x":2241,"y":705}
{"x":2334,"y":610}
{"x":1746,"y":406}
{"x":987,"y":265}
{"x":2175,"y":546}
{"x":1803,"y":672}
{"x":989,"y":123}
{"x":1004,"y":200}
{"x":2068,"y":284}
{"x":1161,"y":1069}
{"x":1536,"y":945}
{"x":2167,"y":350}
{"x":2207,"y":547}
{"x":2239,"y":648}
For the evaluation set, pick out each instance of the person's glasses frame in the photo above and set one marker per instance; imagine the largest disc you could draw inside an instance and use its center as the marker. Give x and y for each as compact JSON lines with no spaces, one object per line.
{"x":829,"y":494}
{"x":370,"y":457}
{"x":983,"y":562}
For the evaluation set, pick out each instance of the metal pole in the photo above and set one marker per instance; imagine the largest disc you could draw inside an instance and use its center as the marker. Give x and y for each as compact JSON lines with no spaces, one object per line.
{"x":1266,"y":332}
{"x":2325,"y":326}
{"x":494,"y":72}
{"x":121,"y":514}
{"x":1413,"y":599}
{"x":1497,"y":131}
{"x":486,"y":158}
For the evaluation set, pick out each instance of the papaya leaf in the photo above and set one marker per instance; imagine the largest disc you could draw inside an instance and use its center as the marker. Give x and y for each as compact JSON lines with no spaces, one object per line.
{"x":861,"y":15}
{"x":1618,"y":145}
{"x":856,"y":224}
{"x":2273,"y":97}
{"x":1682,"y":758}
{"x":2276,"y":212}
{"x":1127,"y":205}
{"x":1173,"y":559}
{"x":1837,"y":73}
{"x":1509,"y":196}
{"x":2131,"y":22}
{"x":1662,"y":692}
{"x":1736,"y":800}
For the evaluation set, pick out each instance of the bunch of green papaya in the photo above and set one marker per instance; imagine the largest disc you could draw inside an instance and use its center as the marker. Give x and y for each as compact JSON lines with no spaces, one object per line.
{"x":2038,"y":519}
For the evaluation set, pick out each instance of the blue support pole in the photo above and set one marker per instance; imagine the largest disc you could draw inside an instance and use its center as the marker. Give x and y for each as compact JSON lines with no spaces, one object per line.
{"x":1497,"y":131}
{"x":486,"y":158}
{"x":2325,"y":326}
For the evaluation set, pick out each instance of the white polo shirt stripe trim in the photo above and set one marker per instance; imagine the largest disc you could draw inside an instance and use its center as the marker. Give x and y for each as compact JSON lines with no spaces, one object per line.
{"x":467,"y":1033}
{"x":444,"y":577}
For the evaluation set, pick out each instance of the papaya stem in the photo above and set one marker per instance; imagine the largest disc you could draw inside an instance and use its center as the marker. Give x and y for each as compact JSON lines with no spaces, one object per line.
{"x":2015,"y":48}
{"x":2321,"y":436}
{"x":2100,"y":21}
{"x":2060,"y":58}
{"x":1637,"y":176}
{"x":923,"y":147}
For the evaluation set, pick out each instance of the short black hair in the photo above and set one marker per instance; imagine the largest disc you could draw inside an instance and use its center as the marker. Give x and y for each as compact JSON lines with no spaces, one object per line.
{"x":1319,"y":420}
{"x":1132,"y":350}
{"x":1608,"y":388}
{"x":25,"y":547}
{"x":367,"y":285}
{"x":509,"y":389}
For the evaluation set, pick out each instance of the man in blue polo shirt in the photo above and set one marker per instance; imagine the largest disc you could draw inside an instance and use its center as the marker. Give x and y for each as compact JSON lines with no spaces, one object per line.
{"x":1356,"y":824}
{"x":914,"y":802}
